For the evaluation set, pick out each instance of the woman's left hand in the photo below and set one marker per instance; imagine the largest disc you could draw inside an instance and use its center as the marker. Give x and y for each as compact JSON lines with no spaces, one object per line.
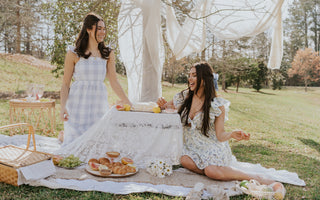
{"x":240,"y":135}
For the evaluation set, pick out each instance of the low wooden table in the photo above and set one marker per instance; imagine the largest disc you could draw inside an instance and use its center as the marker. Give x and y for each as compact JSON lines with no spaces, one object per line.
{"x":41,"y":114}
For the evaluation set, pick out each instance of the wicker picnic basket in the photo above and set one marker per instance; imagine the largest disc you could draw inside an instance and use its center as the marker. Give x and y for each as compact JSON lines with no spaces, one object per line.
{"x":12,"y":157}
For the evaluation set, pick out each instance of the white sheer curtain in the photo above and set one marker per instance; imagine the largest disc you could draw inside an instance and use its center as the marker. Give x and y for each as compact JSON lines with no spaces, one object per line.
{"x":140,"y":41}
{"x":140,"y":36}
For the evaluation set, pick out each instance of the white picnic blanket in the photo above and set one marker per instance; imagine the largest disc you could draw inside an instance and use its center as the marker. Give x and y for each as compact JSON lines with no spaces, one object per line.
{"x":51,"y":145}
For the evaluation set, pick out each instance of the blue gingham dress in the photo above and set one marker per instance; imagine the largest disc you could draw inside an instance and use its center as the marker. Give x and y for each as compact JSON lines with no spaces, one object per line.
{"x":88,"y":98}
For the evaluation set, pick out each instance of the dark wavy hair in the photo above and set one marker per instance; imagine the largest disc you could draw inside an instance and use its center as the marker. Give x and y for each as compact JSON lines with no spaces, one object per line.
{"x":82,"y":41}
{"x":204,"y":72}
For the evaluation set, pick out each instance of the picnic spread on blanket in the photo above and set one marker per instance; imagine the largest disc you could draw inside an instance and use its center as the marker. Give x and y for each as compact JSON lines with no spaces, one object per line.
{"x":123,"y":162}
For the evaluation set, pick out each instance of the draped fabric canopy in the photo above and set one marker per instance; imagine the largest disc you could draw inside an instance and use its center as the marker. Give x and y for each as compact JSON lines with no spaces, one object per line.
{"x":140,"y":35}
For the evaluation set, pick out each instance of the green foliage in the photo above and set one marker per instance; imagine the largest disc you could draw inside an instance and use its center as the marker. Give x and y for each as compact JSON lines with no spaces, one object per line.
{"x":277,"y":79}
{"x":120,"y":68}
{"x":182,"y":78}
{"x":238,"y":72}
{"x":276,"y":84}
{"x":67,"y":17}
{"x":257,"y":75}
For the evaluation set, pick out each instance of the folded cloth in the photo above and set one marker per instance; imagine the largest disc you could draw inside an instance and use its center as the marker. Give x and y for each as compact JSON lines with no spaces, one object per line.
{"x":37,"y":171}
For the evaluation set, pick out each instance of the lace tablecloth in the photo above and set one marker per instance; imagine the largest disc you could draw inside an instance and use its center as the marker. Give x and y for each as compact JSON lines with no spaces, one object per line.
{"x":141,"y":136}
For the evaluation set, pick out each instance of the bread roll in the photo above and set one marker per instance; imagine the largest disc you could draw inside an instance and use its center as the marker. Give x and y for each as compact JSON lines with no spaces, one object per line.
{"x":93,"y":160}
{"x":126,"y":160}
{"x":56,"y":159}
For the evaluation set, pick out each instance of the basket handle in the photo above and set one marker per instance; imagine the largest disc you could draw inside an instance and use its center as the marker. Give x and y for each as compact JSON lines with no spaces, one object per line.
{"x":31,"y":132}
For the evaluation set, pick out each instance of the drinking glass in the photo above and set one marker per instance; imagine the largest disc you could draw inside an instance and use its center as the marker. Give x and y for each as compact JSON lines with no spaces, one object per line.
{"x":170,"y":109}
{"x":29,"y":90}
{"x":40,"y":90}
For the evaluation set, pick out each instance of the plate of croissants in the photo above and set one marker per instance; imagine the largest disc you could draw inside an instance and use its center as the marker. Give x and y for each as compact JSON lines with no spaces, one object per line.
{"x":107,"y":167}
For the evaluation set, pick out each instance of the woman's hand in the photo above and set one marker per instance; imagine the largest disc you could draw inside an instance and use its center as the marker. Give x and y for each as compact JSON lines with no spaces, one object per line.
{"x":162,"y":103}
{"x":64,"y":116}
{"x":240,"y":135}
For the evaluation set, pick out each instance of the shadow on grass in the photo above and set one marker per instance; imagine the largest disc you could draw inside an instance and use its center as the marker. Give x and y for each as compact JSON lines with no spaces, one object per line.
{"x":267,"y":93}
{"x":310,"y":143}
{"x":233,"y":91}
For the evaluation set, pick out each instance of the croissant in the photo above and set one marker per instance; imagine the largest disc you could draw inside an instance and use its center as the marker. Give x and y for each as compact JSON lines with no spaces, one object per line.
{"x":130,"y":169}
{"x":119,"y":170}
{"x":104,"y":161}
{"x":117,"y":164}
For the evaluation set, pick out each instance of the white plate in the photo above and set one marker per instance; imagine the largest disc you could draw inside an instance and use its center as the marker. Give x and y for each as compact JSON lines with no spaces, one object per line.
{"x":97,"y":173}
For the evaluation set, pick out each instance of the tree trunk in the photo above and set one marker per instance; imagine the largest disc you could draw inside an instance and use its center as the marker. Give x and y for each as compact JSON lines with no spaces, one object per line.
{"x":18,"y":38}
{"x":173,"y":66}
{"x":203,"y":55}
{"x":223,"y":87}
{"x":238,"y":83}
{"x":5,"y":42}
{"x":316,"y":46}
{"x":212,"y":47}
{"x":172,"y":73}
{"x":318,"y":28}
{"x":28,"y":42}
{"x":306,"y":29}
{"x":305,"y":86}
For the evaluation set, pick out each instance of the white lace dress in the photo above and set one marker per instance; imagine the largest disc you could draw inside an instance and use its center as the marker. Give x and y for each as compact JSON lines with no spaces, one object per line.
{"x":203,"y":150}
{"x":88,"y":98}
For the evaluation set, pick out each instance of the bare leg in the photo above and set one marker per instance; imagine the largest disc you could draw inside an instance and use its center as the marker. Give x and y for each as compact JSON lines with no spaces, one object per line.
{"x":188,"y":163}
{"x":222,"y":173}
{"x":225,"y":173}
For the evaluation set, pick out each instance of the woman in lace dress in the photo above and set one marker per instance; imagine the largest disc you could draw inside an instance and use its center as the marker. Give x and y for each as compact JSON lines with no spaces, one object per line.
{"x":88,"y":63}
{"x":206,"y":148}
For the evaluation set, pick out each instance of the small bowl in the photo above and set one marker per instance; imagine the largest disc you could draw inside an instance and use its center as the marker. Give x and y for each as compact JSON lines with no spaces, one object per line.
{"x":113,"y":154}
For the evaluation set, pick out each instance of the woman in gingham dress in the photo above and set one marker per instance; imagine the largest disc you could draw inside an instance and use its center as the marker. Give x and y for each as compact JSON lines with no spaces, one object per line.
{"x":85,"y":102}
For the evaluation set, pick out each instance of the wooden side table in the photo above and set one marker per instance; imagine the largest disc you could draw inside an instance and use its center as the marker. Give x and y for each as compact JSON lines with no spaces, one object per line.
{"x":41,"y":114}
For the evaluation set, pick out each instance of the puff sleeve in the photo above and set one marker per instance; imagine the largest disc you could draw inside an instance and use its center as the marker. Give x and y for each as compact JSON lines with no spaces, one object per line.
{"x":215,"y":104}
{"x":179,"y":98}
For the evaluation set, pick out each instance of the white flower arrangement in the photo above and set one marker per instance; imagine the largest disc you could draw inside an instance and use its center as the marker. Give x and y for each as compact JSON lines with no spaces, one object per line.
{"x":159,"y":168}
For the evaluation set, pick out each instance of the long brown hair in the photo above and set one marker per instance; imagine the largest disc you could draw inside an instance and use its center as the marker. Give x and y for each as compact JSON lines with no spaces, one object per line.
{"x":82,"y":41}
{"x":204,"y":72}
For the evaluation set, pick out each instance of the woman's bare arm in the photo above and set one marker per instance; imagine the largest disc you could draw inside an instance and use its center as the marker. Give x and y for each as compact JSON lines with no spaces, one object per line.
{"x":112,"y":76}
{"x":224,"y":136}
{"x":69,"y":63}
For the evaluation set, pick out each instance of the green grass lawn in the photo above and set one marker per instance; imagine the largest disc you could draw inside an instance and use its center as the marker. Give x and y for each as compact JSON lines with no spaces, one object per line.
{"x":284,"y":127}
